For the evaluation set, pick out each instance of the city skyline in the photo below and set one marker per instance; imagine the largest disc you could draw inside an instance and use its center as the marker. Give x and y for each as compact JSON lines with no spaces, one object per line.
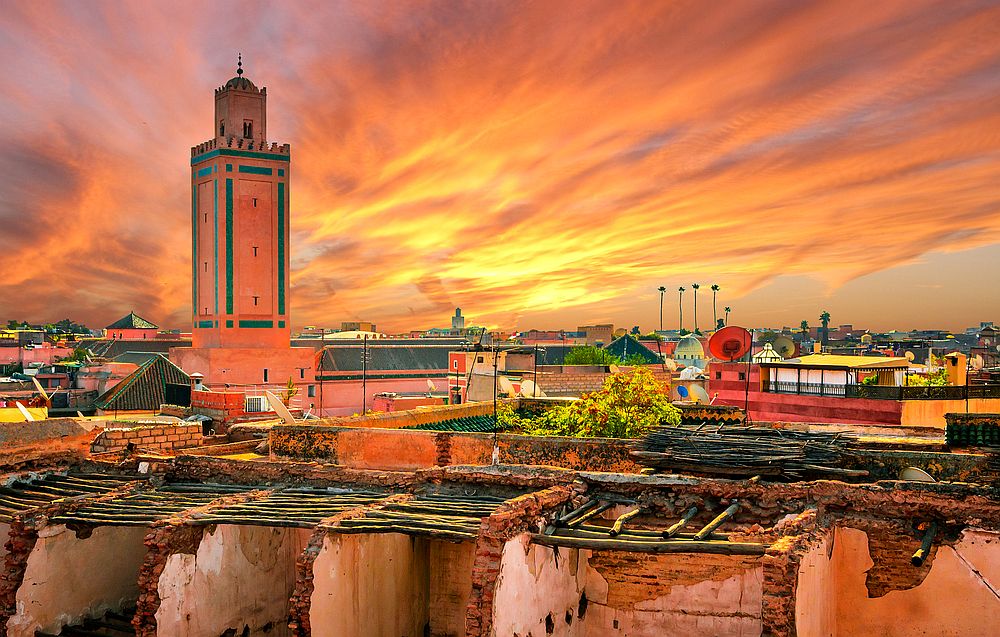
{"x":539,"y":165}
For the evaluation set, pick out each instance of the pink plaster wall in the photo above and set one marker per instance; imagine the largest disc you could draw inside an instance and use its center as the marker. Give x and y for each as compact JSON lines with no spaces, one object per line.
{"x":956,"y":599}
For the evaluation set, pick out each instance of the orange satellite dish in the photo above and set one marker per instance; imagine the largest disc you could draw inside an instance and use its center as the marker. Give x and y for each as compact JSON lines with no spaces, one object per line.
{"x":730,"y":343}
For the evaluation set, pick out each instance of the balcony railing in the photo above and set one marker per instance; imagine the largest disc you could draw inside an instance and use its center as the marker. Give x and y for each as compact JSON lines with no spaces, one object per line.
{"x":879,"y":392}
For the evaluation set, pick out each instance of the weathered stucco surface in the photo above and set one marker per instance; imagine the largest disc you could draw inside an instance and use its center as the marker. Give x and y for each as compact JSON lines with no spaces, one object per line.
{"x":954,"y":599}
{"x":626,"y":593}
{"x":370,"y":586}
{"x":246,"y":573}
{"x":70,"y":578}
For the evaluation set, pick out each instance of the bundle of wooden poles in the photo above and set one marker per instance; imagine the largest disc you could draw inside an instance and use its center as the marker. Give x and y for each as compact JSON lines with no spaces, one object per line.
{"x":743,"y":452}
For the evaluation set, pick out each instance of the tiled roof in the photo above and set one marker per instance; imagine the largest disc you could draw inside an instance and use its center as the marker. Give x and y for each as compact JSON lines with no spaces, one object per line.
{"x":145,"y":388}
{"x":625,"y":346}
{"x":132,"y":322}
{"x":474,"y":424}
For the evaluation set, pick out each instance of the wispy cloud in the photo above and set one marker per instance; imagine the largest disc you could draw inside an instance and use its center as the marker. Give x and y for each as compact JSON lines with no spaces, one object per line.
{"x":534,"y":163}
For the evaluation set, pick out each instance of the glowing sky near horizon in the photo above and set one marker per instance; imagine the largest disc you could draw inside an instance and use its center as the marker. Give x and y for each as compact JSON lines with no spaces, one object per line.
{"x":540,"y":164}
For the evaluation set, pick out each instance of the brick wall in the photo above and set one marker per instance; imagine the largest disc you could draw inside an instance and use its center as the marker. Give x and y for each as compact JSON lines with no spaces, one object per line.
{"x":165,"y":437}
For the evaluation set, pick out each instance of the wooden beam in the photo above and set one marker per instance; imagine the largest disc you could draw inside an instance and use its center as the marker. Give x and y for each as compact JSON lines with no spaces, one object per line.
{"x":616,"y":529}
{"x":717,"y":522}
{"x":671,"y":546}
{"x":925,"y":546}
{"x":676,"y":528}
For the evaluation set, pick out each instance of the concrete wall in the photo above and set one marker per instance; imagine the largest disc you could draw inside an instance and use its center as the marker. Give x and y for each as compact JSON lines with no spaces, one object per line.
{"x":406,"y":450}
{"x":930,"y":413}
{"x":69,"y":578}
{"x":635,"y":594}
{"x":370,"y":586}
{"x":241,"y":577}
{"x":837,"y":595}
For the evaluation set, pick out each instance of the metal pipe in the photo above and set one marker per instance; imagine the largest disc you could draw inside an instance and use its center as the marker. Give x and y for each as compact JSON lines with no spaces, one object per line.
{"x":925,"y":546}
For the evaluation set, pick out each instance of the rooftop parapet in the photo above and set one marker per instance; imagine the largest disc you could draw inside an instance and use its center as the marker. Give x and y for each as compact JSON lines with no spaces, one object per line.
{"x":239,"y":143}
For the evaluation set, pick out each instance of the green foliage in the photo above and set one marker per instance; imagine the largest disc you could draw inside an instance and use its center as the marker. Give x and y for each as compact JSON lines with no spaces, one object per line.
{"x":79,"y":354}
{"x":589,"y":355}
{"x":937,"y":379}
{"x":628,"y":406}
{"x":634,"y":359}
{"x":654,"y":336}
{"x":870,"y":380}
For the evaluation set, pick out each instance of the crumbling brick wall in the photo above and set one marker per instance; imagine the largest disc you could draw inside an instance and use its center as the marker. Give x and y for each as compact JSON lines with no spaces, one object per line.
{"x":167,"y":437}
{"x":508,"y":520}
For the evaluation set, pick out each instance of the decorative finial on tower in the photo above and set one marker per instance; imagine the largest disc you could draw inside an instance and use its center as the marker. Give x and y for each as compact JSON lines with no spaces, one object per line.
{"x":239,"y":64}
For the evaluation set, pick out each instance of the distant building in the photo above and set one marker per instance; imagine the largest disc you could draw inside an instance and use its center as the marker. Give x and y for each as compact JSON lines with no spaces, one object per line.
{"x":601,"y":334}
{"x":458,"y":321}
{"x":131,"y":327}
{"x":357,"y":326}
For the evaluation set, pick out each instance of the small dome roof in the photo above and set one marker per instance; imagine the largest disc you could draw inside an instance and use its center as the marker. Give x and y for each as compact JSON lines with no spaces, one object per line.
{"x":689,"y":347}
{"x":241,"y":83}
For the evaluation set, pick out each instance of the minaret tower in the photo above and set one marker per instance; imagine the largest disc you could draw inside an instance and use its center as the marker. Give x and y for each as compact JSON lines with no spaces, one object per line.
{"x":240,"y":248}
{"x":239,"y":187}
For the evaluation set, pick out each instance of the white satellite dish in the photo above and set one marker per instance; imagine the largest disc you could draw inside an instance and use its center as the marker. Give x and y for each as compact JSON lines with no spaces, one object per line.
{"x":279,"y":408}
{"x":431,"y":387}
{"x":24,"y":412}
{"x":909,"y":355}
{"x":529,"y":388}
{"x":699,"y":394}
{"x":915,"y":475}
{"x":976,"y":362}
{"x":670,"y":364}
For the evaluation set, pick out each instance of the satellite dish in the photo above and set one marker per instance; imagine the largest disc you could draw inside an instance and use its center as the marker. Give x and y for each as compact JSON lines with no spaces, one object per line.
{"x":977,"y":362}
{"x":431,"y":386}
{"x":529,"y":388}
{"x":915,"y":475}
{"x":682,"y":391}
{"x":730,"y":343}
{"x":909,"y":355}
{"x":785,"y":346}
{"x":699,"y":394}
{"x":670,"y":364}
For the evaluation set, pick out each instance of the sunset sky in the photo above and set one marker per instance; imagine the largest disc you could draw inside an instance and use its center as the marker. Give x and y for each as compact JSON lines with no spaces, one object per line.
{"x":540,"y":164}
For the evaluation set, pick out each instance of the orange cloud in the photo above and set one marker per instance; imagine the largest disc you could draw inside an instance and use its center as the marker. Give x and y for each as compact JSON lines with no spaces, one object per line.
{"x":538,"y":164}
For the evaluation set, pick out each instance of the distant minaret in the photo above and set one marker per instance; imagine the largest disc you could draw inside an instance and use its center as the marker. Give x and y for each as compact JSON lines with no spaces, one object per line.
{"x":240,"y":209}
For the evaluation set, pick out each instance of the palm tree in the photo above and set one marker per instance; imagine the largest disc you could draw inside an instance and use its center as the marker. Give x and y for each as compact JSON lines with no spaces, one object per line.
{"x":804,"y":326}
{"x":695,"y":286}
{"x":726,"y":310}
{"x":680,"y":305}
{"x":662,"y":290}
{"x":825,"y":320}
{"x":715,"y":313}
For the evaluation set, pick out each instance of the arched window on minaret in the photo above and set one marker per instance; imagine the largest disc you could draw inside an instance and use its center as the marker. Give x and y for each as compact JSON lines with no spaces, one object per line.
{"x":222,"y":128}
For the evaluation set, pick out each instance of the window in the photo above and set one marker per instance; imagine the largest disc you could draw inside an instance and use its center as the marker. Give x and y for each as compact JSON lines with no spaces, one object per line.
{"x":743,"y":376}
{"x":718,"y":375}
{"x":311,"y":391}
{"x":206,"y":217}
{"x":255,"y":250}
{"x":255,"y":300}
{"x":454,"y":364}
{"x":206,"y":266}
{"x":265,"y":375}
{"x":479,"y":359}
{"x":247,"y":128}
{"x":254,"y":202}
{"x":222,"y":128}
{"x":302,"y":372}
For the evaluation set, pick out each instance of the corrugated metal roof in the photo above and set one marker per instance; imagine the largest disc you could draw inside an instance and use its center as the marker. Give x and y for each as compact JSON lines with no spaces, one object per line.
{"x":343,"y":358}
{"x":145,"y":388}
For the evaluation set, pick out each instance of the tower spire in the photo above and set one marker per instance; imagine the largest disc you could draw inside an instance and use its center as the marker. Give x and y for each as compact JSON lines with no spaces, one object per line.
{"x":239,"y":64}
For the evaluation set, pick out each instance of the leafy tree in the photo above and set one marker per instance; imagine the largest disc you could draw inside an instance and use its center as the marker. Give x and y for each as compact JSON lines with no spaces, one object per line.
{"x":627,"y":406}
{"x":634,"y":359}
{"x":589,"y":355}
